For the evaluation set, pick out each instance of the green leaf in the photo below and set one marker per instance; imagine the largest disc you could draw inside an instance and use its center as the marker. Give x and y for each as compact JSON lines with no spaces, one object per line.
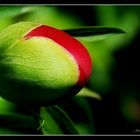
{"x":18,"y":122}
{"x":84,"y":128}
{"x":85,"y":92}
{"x":93,"y":33}
{"x":87,"y":112}
{"x":56,"y":121}
{"x":83,"y":118}
{"x":6,"y":106}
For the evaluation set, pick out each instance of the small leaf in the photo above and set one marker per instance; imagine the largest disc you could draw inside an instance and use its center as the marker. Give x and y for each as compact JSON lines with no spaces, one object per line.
{"x":85,"y":92}
{"x":93,"y":33}
{"x":56,"y":121}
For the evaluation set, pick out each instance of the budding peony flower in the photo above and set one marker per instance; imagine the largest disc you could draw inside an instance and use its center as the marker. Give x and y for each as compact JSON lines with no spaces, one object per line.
{"x":40,"y":64}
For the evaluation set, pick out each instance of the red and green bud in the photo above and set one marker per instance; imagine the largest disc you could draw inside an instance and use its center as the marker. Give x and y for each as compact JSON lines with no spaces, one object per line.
{"x":40,"y":64}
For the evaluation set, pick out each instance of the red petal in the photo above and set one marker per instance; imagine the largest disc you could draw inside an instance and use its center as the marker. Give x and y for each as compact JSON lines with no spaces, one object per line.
{"x":79,"y":52}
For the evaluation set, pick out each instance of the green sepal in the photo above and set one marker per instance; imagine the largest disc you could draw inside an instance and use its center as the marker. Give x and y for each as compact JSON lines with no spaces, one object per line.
{"x":86,"y":92}
{"x":36,"y":71}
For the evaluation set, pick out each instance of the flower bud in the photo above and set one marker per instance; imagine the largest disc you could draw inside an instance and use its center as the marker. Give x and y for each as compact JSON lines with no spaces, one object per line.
{"x":40,"y":65}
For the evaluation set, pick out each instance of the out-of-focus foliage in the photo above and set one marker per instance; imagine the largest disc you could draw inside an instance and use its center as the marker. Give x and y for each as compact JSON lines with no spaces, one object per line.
{"x":49,"y":15}
{"x":6,"y":106}
{"x":102,"y":51}
{"x":127,"y":18}
{"x":15,"y":122}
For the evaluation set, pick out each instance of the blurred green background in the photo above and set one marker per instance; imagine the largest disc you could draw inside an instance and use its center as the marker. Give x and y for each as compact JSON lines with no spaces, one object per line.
{"x":115,"y":74}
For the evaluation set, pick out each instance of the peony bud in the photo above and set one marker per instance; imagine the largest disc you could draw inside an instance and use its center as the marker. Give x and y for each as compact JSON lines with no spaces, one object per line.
{"x":40,"y":64}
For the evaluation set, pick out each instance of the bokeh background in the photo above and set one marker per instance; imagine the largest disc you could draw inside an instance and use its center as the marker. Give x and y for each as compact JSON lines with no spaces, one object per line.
{"x":115,"y":74}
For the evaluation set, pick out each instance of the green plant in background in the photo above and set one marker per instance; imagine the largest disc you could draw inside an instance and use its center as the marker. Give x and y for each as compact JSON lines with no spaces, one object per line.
{"x":57,"y":118}
{"x":127,"y":18}
{"x":124,"y":17}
